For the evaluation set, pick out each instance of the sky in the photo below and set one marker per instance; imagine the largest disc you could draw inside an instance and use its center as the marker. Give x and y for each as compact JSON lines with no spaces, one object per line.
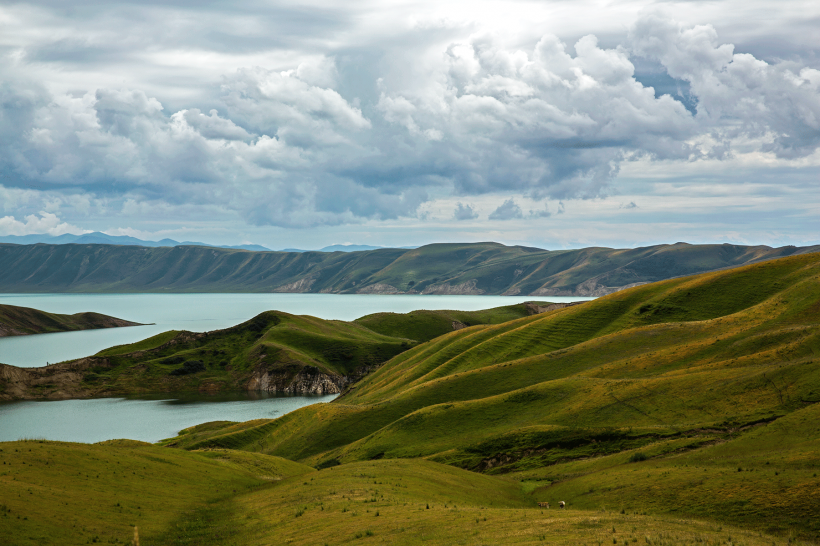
{"x":550,"y":123}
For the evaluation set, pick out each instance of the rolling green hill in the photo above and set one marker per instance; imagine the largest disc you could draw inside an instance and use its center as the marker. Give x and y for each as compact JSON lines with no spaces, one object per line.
{"x":682,"y":412}
{"x":479,"y":268}
{"x":126,"y":492}
{"x":637,"y":401}
{"x":273,"y":352}
{"x":18,"y":321}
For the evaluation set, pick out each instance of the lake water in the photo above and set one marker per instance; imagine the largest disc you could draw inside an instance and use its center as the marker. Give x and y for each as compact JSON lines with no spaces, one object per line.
{"x":146,"y":419}
{"x":201,"y":313}
{"x":151,"y":420}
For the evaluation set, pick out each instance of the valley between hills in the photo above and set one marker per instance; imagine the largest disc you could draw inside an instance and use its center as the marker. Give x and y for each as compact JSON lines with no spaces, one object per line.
{"x":684,"y":411}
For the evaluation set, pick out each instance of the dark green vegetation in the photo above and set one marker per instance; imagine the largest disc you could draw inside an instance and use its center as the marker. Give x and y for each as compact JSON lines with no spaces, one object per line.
{"x":481,"y":268}
{"x":18,"y":321}
{"x":646,"y":400}
{"x":274,"y":352}
{"x":682,"y":412}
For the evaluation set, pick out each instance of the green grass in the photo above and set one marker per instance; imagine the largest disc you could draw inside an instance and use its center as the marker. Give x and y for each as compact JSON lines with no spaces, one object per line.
{"x":419,"y":502}
{"x":425,"y":325}
{"x":274,"y":343}
{"x":684,"y":363}
{"x":65,"y":493}
{"x":683,"y":412}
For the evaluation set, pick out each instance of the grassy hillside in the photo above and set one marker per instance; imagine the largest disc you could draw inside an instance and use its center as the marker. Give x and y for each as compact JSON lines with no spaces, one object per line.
{"x":690,"y":366}
{"x":18,"y":321}
{"x":274,"y":351}
{"x":111,"y":493}
{"x":63,"y":493}
{"x":425,"y":325}
{"x":479,"y":268}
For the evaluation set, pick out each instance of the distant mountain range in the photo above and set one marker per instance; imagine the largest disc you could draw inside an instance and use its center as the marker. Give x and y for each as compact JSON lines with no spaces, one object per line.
{"x":98,"y":238}
{"x":467,"y":269}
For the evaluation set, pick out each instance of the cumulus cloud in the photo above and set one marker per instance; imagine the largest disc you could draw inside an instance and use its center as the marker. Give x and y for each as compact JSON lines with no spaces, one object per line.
{"x":543,"y":213}
{"x":46,"y":222}
{"x":342,"y":134}
{"x":738,"y":96}
{"x":464,"y":212}
{"x":508,"y":210}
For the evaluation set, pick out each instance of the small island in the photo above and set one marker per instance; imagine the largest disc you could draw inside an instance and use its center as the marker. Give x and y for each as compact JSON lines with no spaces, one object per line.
{"x":21,"y":321}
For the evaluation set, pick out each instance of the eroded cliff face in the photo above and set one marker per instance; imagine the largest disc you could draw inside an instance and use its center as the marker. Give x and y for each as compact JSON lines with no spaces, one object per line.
{"x":55,"y":382}
{"x":307,"y":380}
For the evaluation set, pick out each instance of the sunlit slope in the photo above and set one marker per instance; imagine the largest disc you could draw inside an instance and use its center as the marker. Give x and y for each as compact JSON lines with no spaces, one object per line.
{"x":65,"y":493}
{"x":407,"y":502}
{"x":765,"y":477}
{"x":424,"y":325}
{"x":677,"y":355}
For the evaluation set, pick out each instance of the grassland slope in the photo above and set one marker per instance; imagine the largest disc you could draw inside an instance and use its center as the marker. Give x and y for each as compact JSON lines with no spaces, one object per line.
{"x":685,"y":363}
{"x":273,"y":352}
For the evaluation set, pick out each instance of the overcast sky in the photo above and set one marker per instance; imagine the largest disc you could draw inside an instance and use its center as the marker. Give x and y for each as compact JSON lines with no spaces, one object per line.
{"x":552,"y":123}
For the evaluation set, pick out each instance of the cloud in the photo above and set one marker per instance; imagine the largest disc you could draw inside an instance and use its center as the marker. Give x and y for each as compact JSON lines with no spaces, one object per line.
{"x":508,"y":210}
{"x":738,"y":95}
{"x":46,"y":223}
{"x":630,"y":205}
{"x":464,"y":212}
{"x":325,"y":132}
{"x":544,"y":213}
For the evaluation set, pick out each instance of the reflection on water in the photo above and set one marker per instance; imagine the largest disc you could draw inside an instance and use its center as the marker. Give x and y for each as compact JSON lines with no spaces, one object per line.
{"x":148,"y":418}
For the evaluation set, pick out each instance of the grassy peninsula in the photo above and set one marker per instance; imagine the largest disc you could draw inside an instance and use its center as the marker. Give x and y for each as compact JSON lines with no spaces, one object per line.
{"x":20,"y":321}
{"x":680,"y":412}
{"x":273,"y":352}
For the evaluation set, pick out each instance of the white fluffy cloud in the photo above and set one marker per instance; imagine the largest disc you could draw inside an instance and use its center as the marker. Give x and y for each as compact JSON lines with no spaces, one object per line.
{"x":46,"y":222}
{"x":344,"y":133}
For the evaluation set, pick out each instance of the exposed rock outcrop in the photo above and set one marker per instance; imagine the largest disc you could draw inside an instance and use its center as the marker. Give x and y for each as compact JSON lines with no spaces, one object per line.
{"x":54,"y":382}
{"x":308,"y":380}
{"x":379,"y":288}
{"x":462,"y":289}
{"x":302,"y":285}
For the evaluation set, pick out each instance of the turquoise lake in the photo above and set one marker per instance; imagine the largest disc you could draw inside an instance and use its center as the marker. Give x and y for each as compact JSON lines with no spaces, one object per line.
{"x":153,"y":418}
{"x":202,"y":313}
{"x":149,"y":419}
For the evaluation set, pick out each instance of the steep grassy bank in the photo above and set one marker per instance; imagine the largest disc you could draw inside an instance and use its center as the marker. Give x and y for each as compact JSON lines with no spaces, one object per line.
{"x":19,"y":321}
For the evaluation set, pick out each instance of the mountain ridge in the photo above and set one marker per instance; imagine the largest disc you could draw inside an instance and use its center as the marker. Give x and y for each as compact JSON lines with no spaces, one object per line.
{"x":436,"y":269}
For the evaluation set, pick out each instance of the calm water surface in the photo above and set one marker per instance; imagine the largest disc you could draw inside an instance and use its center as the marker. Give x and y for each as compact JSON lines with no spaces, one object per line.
{"x":201,"y":313}
{"x":151,"y":420}
{"x":146,"y":419}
